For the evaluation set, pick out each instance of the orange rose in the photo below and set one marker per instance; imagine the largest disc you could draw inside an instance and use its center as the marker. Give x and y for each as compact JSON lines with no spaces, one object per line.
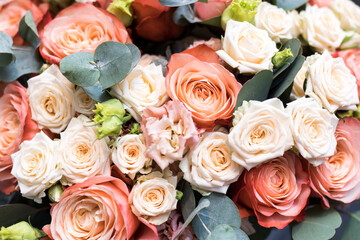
{"x":339,"y":177}
{"x":276,"y":191}
{"x":205,"y":87}
{"x":80,"y":27}
{"x":212,"y":8}
{"x":97,"y":209}
{"x":16,"y":127}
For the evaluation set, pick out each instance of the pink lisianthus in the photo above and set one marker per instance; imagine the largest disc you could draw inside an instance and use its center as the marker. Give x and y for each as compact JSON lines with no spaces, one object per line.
{"x":212,"y":8}
{"x":339,"y":177}
{"x":169,"y":131}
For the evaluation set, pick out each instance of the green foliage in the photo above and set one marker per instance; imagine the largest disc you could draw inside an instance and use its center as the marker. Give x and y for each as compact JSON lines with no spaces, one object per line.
{"x":225,"y":231}
{"x":352,"y":229}
{"x":187,"y":202}
{"x":185,"y":15}
{"x":289,"y":4}
{"x":28,"y":31}
{"x":6,"y":53}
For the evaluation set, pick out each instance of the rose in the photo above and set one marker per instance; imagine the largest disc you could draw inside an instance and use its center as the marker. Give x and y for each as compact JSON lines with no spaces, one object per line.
{"x":321,"y":29}
{"x":51,"y":97}
{"x":209,"y":166}
{"x":169,"y":131}
{"x":82,"y":102}
{"x":276,"y":191}
{"x":130,"y":155}
{"x":214,"y":43}
{"x":81,"y":154}
{"x":154,"y":21}
{"x":80,"y":27}
{"x":339,"y":177}
{"x":352,"y":60}
{"x":313,"y":130}
{"x":206,"y":88}
{"x":331,"y":83}
{"x":348,"y":12}
{"x":97,"y":209}
{"x":297,"y":90}
{"x":321,"y":3}
{"x":143,"y":87}
{"x":247,"y":47}
{"x":275,"y":21}
{"x":261,"y":132}
{"x":17,"y":126}
{"x":153,"y":198}
{"x":212,"y":8}
{"x":36,"y":166}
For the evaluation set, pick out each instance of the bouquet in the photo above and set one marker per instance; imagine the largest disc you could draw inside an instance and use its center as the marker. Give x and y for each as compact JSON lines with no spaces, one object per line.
{"x":164,"y":119}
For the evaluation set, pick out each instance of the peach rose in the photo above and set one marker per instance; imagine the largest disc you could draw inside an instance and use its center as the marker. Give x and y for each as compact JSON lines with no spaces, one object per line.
{"x":352,"y":61}
{"x":276,"y":191}
{"x":212,"y":8}
{"x":97,"y":209}
{"x":321,"y":3}
{"x":339,"y":177}
{"x":207,"y":89}
{"x":80,"y":27}
{"x":16,"y":127}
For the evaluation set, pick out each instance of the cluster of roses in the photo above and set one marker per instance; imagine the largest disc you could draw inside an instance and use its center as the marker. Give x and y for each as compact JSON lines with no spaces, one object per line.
{"x":120,"y":187}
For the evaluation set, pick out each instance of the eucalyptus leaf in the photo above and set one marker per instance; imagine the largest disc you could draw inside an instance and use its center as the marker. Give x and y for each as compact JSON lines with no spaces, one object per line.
{"x":25,"y":62}
{"x":256,"y":88}
{"x":187,"y":202}
{"x":176,"y":3}
{"x":186,"y":14}
{"x":163,"y":63}
{"x":225,"y":231}
{"x":295,"y":46}
{"x":222,"y":210}
{"x":351,"y":229}
{"x":319,"y":224}
{"x":97,"y":93}
{"x":6,"y":54}
{"x":14,"y":213}
{"x":135,"y":52}
{"x":28,"y":31}
{"x":290,"y":4}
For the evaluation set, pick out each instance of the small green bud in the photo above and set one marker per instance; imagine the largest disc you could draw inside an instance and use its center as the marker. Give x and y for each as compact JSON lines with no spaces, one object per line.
{"x":135,"y":129}
{"x":357,"y":112}
{"x":44,"y":67}
{"x":20,"y":231}
{"x":112,"y":107}
{"x":112,"y":126}
{"x":281,"y":57}
{"x":179,"y":195}
{"x":240,"y":10}
{"x":55,"y":192}
{"x":122,"y":10}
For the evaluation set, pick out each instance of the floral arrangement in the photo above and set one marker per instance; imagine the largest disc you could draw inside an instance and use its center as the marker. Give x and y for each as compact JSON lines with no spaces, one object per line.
{"x":169,"y":119}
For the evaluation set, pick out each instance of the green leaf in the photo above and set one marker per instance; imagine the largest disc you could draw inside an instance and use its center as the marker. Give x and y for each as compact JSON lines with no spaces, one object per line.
{"x":25,"y":62}
{"x":225,"y":231}
{"x":97,"y":93}
{"x":80,"y":69}
{"x":135,"y":52}
{"x":295,"y":46}
{"x":114,"y":61}
{"x":290,"y":4}
{"x":14,"y":213}
{"x":187,"y":202}
{"x":6,"y":54}
{"x":176,"y":3}
{"x":256,"y":88}
{"x":28,"y":31}
{"x":186,"y":14}
{"x":222,"y":210}
{"x":351,"y":229}
{"x":319,"y":224}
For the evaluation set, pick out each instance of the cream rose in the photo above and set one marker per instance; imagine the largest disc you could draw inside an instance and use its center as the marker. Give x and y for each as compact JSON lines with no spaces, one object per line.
{"x":82,"y":102}
{"x":321,"y":29}
{"x":36,"y":166}
{"x":348,"y":13}
{"x":332,"y":83}
{"x":209,"y":166}
{"x":143,"y":87}
{"x":275,"y":21}
{"x":313,"y":129}
{"x":153,"y":198}
{"x":261,"y":132}
{"x":82,"y":155}
{"x":146,"y":59}
{"x":130,"y":155}
{"x":298,"y":86}
{"x":247,"y":47}
{"x":51,"y":97}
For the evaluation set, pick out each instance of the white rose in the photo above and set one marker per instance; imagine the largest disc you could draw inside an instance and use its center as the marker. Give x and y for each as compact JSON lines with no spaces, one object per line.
{"x":36,"y":166}
{"x":298,"y":86}
{"x":261,"y":133}
{"x":146,"y":59}
{"x":209,"y":166}
{"x":313,"y":129}
{"x":352,"y":40}
{"x":82,"y":155}
{"x":51,"y":97}
{"x":143,"y":87}
{"x":332,"y":83}
{"x":321,"y":29}
{"x":247,"y":47}
{"x":153,"y":198}
{"x":130,"y":155}
{"x":275,"y":21}
{"x":83,"y":103}
{"x":348,"y":13}
{"x":295,"y":18}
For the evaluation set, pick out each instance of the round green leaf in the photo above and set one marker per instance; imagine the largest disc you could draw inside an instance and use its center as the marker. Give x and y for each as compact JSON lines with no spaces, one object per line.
{"x":319,"y":224}
{"x":135,"y":52}
{"x":225,"y":231}
{"x":352,"y":229}
{"x":114,"y":61}
{"x":176,"y":3}
{"x":80,"y":69}
{"x":6,"y":54}
{"x":97,"y":93}
{"x":290,"y":4}
{"x":295,"y":46}
{"x":187,"y":202}
{"x":28,"y":30}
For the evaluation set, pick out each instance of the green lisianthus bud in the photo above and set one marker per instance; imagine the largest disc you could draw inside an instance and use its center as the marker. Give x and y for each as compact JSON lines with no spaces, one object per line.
{"x":122,"y":10}
{"x":112,"y":107}
{"x":240,"y":10}
{"x":55,"y":192}
{"x":20,"y":231}
{"x":281,"y":58}
{"x":112,"y":126}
